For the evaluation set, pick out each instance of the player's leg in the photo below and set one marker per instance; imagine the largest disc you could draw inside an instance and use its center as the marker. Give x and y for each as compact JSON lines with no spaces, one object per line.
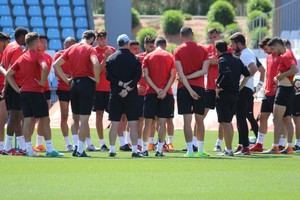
{"x":3,"y":120}
{"x":64,"y":109}
{"x":287,"y":120}
{"x":296,"y":120}
{"x":170,"y":131}
{"x":161,"y":136}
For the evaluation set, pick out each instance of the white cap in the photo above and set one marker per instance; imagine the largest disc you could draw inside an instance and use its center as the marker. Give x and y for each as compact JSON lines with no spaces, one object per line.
{"x":123,"y":39}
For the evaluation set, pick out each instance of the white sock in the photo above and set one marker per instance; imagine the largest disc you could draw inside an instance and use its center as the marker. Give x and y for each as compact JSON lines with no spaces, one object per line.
{"x":112,"y":149}
{"x":189,"y":146}
{"x":140,"y":142}
{"x":160,"y":146}
{"x":145,"y":146}
{"x":282,"y":141}
{"x":200,"y":146}
{"x":260,"y":138}
{"x":101,"y":142}
{"x":122,"y":140}
{"x":170,"y":139}
{"x":21,"y":142}
{"x":134,"y":148}
{"x":39,"y":140}
{"x":1,"y":145}
{"x":67,"y":140}
{"x":275,"y":145}
{"x":298,"y":142}
{"x":28,"y":147}
{"x":229,"y":150}
{"x":49,"y":146}
{"x":81,"y":145}
{"x":88,"y":141}
{"x":290,"y":145}
{"x":195,"y":141}
{"x":127,"y":137}
{"x":8,"y":142}
{"x":75,"y":139}
{"x":219,"y":142}
{"x":151,"y":140}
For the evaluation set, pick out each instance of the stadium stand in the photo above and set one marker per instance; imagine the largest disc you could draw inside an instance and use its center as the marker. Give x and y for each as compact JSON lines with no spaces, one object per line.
{"x":57,"y":18}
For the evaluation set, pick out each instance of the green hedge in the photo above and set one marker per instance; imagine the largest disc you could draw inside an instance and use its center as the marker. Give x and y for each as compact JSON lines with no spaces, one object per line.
{"x":221,"y":11}
{"x":145,"y":32}
{"x":231,"y":29}
{"x":172,"y":21}
{"x":135,"y":16}
{"x":257,"y":35}
{"x":259,"y":5}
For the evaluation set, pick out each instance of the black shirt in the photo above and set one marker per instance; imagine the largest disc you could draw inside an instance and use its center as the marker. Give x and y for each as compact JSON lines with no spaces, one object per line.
{"x":123,"y":66}
{"x":230,"y":70}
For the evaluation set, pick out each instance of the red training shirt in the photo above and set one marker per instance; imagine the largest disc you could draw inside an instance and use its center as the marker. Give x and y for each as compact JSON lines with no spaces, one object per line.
{"x":66,"y":69}
{"x":286,"y":61}
{"x":212,"y":74}
{"x":104,"y":84}
{"x":142,"y":82}
{"x":191,"y":55}
{"x":28,"y":68}
{"x":78,"y":56}
{"x":159,"y":64}
{"x":272,"y":69}
{"x":49,"y":61}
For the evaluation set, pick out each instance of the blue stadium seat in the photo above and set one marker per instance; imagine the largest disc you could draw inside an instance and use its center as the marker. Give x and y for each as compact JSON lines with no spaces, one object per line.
{"x":55,"y":45}
{"x":51,"y":22}
{"x":65,"y":11}
{"x":66,"y":22}
{"x":3,"y":2}
{"x":68,"y":32}
{"x":34,"y":11}
{"x":19,"y":11}
{"x":16,"y":2}
{"x":53,"y":33}
{"x":49,"y":11}
{"x":79,"y":11}
{"x":36,"y":22}
{"x":40,"y":31}
{"x":32,"y":2}
{"x":4,"y":10}
{"x":63,"y":2}
{"x":79,"y":33}
{"x":48,"y":2}
{"x":8,"y":30}
{"x":81,"y":22}
{"x":21,"y":21}
{"x":78,"y":2}
{"x":6,"y":21}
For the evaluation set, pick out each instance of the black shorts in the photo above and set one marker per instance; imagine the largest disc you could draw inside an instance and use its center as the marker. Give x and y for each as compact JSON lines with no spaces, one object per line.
{"x":296,"y":107}
{"x":210,"y":99}
{"x":187,"y":105}
{"x":226,"y":106}
{"x":101,"y":100}
{"x":285,"y":97}
{"x":118,"y":106}
{"x":63,"y":95}
{"x":161,"y":108}
{"x":34,"y":104}
{"x":267,"y":104}
{"x":12,"y":99}
{"x":141,"y":103}
{"x":47,"y":95}
{"x":82,"y":95}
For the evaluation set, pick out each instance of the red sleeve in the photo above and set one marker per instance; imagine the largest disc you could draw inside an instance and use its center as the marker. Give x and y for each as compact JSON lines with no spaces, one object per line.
{"x":15,"y":66}
{"x":145,"y":62}
{"x":93,"y":52}
{"x":177,"y":54}
{"x":205,"y":54}
{"x":289,"y":61}
{"x":65,"y":55}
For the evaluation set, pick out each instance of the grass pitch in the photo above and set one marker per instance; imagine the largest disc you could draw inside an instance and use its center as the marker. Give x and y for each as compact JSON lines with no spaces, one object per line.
{"x":173,"y":177}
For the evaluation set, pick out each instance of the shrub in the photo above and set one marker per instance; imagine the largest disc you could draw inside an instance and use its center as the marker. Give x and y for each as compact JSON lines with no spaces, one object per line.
{"x":171,"y":47}
{"x":135,"y":18}
{"x":215,"y":25}
{"x":264,"y":6}
{"x":257,"y":35}
{"x":231,"y":29}
{"x":172,"y":21}
{"x":257,"y":19}
{"x":187,"y":17}
{"x":222,"y":12}
{"x":143,"y":33}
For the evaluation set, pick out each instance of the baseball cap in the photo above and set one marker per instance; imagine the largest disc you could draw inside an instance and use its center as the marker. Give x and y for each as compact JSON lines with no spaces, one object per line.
{"x":4,"y":36}
{"x":122,"y":40}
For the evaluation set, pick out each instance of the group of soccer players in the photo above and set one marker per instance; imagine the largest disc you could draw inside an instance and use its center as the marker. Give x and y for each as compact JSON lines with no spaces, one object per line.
{"x":135,"y":88}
